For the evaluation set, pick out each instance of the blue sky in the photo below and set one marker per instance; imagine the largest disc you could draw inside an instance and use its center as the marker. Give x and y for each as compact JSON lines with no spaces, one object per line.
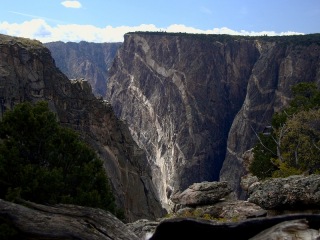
{"x":108,"y":20}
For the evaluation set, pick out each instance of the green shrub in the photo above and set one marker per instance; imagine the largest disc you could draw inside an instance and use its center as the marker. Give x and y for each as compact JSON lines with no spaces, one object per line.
{"x":43,"y":162}
{"x":293,"y":145}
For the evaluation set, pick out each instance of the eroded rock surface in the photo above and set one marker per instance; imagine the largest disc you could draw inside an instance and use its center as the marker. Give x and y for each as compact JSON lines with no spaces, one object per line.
{"x":35,"y":221}
{"x":143,"y":228}
{"x":179,"y":95}
{"x":28,"y":73}
{"x":194,"y":102}
{"x":281,"y":65}
{"x":204,"y":193}
{"x":294,"y":192}
{"x":90,"y":61}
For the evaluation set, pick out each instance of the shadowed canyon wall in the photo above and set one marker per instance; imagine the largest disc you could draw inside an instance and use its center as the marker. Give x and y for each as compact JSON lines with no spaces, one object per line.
{"x":90,"y":61}
{"x":282,"y":64}
{"x":179,"y":96}
{"x":192,"y":101}
{"x":28,"y":73}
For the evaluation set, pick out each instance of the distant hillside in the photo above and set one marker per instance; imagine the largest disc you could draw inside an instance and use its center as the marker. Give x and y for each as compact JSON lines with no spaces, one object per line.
{"x":85,"y":60}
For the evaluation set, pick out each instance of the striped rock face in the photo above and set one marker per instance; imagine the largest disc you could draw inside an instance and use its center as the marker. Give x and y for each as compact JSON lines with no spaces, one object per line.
{"x":191,"y":101}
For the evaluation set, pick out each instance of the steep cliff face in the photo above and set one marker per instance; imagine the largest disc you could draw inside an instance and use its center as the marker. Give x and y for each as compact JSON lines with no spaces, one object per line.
{"x":179,"y":96}
{"x":281,"y":65}
{"x":191,"y":101}
{"x":90,"y":61}
{"x":28,"y":73}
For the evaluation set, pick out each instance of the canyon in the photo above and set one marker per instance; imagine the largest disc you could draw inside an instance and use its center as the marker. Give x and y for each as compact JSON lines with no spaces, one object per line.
{"x":194,"y":103}
{"x":170,"y":112}
{"x":174,"y":109}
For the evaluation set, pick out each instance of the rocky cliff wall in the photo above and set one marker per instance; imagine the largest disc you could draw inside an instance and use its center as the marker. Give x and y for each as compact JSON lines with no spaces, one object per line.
{"x":281,"y":64}
{"x":90,"y":61}
{"x":28,"y":73}
{"x":179,"y":96}
{"x":191,"y":101}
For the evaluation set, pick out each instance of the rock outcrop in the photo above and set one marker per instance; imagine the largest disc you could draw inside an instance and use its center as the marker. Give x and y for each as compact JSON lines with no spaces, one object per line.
{"x":28,"y":73}
{"x":214,"y":201}
{"x":90,"y":61}
{"x":35,"y":221}
{"x":282,"y":64}
{"x":143,"y":228}
{"x":204,"y":193}
{"x":194,"y":102}
{"x":295,"y":192}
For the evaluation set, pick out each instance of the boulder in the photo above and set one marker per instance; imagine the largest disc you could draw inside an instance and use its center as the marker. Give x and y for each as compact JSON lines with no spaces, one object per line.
{"x":35,"y":221}
{"x":247,"y":181}
{"x":294,"y":192}
{"x":226,"y":211}
{"x":204,"y":193}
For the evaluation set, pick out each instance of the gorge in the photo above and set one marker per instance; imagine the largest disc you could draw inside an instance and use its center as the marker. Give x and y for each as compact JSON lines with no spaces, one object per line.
{"x":170,"y":112}
{"x":194,"y":103}
{"x":189,"y":104}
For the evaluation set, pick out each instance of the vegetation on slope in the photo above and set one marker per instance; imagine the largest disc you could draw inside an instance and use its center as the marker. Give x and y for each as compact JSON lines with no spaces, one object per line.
{"x":44,"y":162}
{"x":292,"y":146}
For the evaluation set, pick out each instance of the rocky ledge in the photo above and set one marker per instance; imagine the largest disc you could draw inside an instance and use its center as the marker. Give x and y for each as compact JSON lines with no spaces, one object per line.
{"x":35,"y":221}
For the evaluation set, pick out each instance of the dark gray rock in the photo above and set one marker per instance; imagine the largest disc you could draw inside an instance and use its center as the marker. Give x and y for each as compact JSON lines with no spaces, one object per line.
{"x":182,"y":228}
{"x":224,"y":211}
{"x":35,"y":221}
{"x":90,"y":61}
{"x":173,"y":91}
{"x":28,"y":73}
{"x":294,"y":192}
{"x":192,"y":101}
{"x":281,"y":65}
{"x":143,"y":228}
{"x":204,"y":193}
{"x":295,"y":230}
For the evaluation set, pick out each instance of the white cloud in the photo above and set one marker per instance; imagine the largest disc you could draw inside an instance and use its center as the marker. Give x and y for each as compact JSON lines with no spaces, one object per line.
{"x":71,"y":4}
{"x":39,"y":29}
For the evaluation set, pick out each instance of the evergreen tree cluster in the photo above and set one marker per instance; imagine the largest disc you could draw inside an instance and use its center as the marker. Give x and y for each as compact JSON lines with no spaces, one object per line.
{"x":43,"y":162}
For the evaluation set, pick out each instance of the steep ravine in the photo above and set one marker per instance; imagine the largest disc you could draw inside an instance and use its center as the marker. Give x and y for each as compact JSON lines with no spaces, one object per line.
{"x":179,"y":96}
{"x":28,"y":73}
{"x":280,"y":66}
{"x":192,"y":101}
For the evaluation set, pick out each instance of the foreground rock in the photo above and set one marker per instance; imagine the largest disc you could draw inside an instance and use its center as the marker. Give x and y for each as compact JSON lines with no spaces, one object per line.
{"x":307,"y":226}
{"x":294,"y":192}
{"x":214,"y":201}
{"x":295,"y":229}
{"x":34,"y":221}
{"x":143,"y":228}
{"x":203,"y":193}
